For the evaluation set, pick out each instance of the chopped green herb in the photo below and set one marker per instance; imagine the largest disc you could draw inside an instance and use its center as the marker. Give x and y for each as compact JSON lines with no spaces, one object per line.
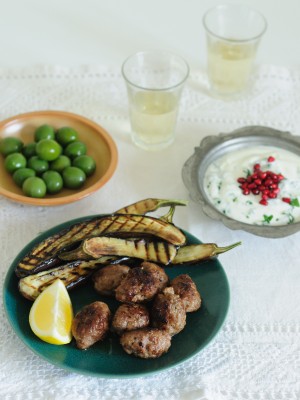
{"x":291,"y":218}
{"x":249,"y":202}
{"x":235,"y":199}
{"x":247,"y":172}
{"x":220,"y":185}
{"x":295,"y":202}
{"x":268,"y":218}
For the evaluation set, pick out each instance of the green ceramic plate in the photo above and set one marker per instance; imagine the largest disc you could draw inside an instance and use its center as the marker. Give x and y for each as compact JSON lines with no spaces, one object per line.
{"x":107,"y":359}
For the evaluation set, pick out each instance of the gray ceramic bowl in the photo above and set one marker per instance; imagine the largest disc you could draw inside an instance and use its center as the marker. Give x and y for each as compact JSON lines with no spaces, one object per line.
{"x":213,"y":147}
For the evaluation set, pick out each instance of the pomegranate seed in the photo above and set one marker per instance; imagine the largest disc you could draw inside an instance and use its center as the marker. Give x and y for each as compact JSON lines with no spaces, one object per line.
{"x":261,"y":187}
{"x":262,"y":182}
{"x":262,"y":175}
{"x":272,"y":195}
{"x":268,"y":182}
{"x":286,"y":199}
{"x":246,"y":192}
{"x":263,"y":202}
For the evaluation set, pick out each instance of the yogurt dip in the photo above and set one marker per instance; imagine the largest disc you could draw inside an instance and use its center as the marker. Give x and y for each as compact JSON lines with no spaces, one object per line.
{"x":224,"y":193}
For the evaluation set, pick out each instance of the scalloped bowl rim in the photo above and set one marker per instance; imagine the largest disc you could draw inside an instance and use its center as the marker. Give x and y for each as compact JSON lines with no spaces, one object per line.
{"x":209,"y":145}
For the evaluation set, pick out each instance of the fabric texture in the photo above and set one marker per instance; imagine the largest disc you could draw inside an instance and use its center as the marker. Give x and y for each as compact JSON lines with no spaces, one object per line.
{"x":256,"y":354}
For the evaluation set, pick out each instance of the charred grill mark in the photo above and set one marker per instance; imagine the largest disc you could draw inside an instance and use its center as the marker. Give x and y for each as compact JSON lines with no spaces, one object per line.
{"x":157,"y":248}
{"x":168,"y":252}
{"x":43,"y":256}
{"x":110,"y":226}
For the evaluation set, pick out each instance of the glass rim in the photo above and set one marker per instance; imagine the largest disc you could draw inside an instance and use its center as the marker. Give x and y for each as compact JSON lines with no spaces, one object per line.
{"x":227,"y":39}
{"x":153,"y":88}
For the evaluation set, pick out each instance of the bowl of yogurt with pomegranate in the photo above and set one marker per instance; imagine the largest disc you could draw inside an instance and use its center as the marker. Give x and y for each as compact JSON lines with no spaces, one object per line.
{"x":249,"y":179}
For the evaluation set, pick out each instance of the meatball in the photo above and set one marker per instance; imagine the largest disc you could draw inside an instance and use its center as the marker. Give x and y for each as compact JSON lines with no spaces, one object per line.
{"x":146,"y":342}
{"x":168,"y":312}
{"x":129,"y":317}
{"x":186,"y":289}
{"x":91,"y":324}
{"x":108,"y":278}
{"x":142,"y":283}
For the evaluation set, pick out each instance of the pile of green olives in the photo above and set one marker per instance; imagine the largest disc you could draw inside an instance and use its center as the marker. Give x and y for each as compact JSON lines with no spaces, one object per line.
{"x":54,"y":160}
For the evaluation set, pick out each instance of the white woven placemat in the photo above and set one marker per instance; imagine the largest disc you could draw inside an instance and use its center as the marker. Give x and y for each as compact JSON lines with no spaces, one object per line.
{"x":256,"y":355}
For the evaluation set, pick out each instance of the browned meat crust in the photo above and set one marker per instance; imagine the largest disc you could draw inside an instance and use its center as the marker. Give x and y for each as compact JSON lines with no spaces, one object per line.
{"x":142,"y":283}
{"x":186,"y":289}
{"x":129,"y":317}
{"x":146,"y":343}
{"x":168,"y":312}
{"x":108,"y":278}
{"x":91,"y":324}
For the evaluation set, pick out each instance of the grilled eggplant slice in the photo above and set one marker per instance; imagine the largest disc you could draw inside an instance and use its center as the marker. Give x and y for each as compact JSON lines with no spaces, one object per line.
{"x":161,"y":252}
{"x":45,"y":254}
{"x":71,"y":274}
{"x":200,"y":252}
{"x":76,"y":254}
{"x":148,"y":205}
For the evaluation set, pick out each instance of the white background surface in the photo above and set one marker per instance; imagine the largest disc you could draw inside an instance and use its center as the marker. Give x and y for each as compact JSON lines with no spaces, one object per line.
{"x":256,"y":354}
{"x":76,"y":32}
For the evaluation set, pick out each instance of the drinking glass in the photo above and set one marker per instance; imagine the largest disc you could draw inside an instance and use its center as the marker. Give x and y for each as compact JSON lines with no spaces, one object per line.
{"x":154,"y":81}
{"x":233,"y":34}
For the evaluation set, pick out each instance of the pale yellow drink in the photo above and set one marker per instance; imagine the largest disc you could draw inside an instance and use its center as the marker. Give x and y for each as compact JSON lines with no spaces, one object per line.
{"x":230,"y":65}
{"x":155,"y":80}
{"x":153,"y":117}
{"x":233,"y":34}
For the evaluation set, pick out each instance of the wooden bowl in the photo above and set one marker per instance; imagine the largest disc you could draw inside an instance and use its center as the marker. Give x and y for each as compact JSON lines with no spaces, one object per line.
{"x":99,"y":144}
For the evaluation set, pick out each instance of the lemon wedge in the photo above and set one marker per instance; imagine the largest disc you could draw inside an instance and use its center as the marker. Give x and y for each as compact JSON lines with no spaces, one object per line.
{"x":51,"y":314}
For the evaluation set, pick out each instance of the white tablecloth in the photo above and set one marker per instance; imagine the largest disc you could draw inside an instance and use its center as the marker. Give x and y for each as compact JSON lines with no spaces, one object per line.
{"x":256,"y":353}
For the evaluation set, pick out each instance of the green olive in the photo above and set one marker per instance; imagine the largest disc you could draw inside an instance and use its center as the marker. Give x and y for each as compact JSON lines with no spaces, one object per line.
{"x":86,"y":163}
{"x":37,"y":164}
{"x":29,"y":150}
{"x":73,"y":177}
{"x":48,"y":149}
{"x":53,"y":180}
{"x":60,"y":163}
{"x":44,"y":132}
{"x":66,"y":135}
{"x":14,"y":161}
{"x":21,"y":174}
{"x":10,"y":145}
{"x":75,"y":149}
{"x":34,"y":187}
